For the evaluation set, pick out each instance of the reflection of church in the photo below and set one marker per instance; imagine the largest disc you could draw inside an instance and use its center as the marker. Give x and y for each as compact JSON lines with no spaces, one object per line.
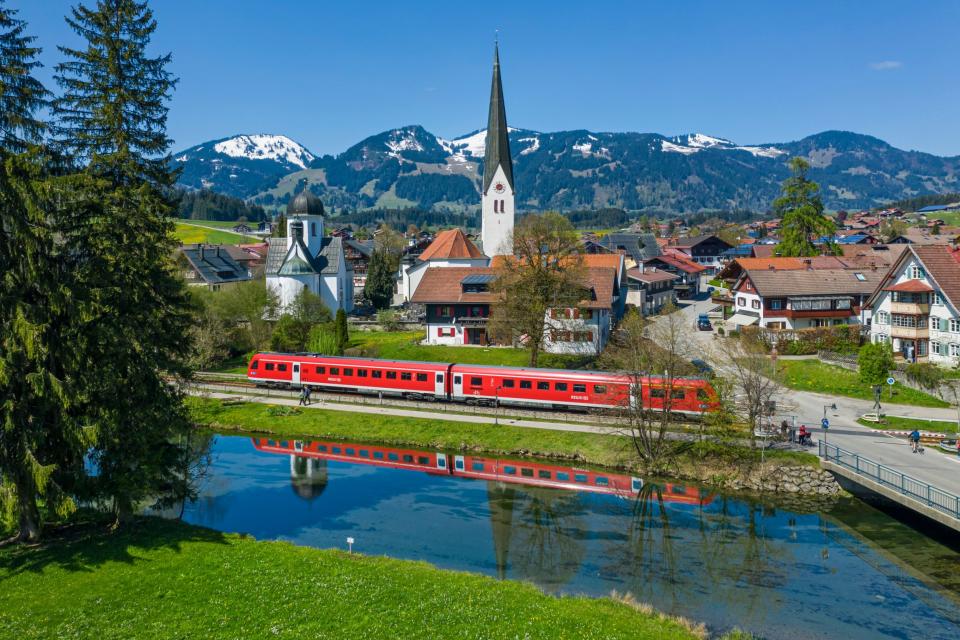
{"x":308,"y":476}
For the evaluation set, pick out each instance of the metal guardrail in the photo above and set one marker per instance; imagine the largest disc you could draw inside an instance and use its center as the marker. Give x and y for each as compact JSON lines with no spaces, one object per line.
{"x":901,"y":483}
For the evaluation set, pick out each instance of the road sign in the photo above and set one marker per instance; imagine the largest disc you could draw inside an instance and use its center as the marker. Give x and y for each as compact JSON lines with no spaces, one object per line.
{"x":890,"y":381}
{"x":825,"y":423}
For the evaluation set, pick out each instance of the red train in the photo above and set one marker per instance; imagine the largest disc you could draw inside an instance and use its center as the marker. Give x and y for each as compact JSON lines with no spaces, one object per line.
{"x":481,"y":468}
{"x":477,"y":384}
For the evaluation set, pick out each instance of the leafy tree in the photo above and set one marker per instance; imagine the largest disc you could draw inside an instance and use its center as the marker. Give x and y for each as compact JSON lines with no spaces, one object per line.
{"x":892,"y":228}
{"x":309,"y":309}
{"x":111,"y":123}
{"x":381,"y":271}
{"x":246,"y":308}
{"x":21,"y":94}
{"x":801,"y":211}
{"x":323,"y":340}
{"x":343,"y":334}
{"x":875,"y":362}
{"x":546,"y":272}
{"x":292,"y":331}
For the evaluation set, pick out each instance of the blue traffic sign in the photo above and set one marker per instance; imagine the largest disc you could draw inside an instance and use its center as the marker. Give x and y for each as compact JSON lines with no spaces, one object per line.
{"x":825,"y":423}
{"x":890,"y":381}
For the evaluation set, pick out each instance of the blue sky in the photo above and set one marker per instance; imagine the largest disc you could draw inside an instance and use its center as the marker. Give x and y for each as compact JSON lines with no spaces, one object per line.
{"x":331,"y":73}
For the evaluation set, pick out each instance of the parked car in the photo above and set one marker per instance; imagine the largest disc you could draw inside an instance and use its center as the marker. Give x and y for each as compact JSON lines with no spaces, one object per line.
{"x":703,"y":367}
{"x":703,"y":323}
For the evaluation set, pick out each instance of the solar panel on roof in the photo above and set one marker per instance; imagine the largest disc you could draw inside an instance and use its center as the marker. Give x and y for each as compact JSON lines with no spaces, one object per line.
{"x":479,"y":278}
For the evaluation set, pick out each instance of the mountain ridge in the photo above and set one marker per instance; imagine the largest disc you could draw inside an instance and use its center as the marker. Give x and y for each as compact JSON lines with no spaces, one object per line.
{"x":410,"y":166}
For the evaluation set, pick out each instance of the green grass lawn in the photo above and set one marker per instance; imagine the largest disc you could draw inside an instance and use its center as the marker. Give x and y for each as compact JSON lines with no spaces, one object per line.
{"x":192,"y":234}
{"x":163,"y":579}
{"x":909,"y":424}
{"x":813,"y":375}
{"x":404,"y":345}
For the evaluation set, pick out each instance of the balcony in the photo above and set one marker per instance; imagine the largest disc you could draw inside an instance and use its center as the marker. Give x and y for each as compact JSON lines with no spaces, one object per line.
{"x":910,"y":308}
{"x":910,"y":333}
{"x":471,"y":321}
{"x":812,"y":313}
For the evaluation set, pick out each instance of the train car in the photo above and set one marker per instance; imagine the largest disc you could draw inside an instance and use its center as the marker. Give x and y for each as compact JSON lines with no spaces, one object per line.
{"x":379,"y":456}
{"x":415,"y":380}
{"x":544,"y":475}
{"x":690,"y":396}
{"x":552,"y":388}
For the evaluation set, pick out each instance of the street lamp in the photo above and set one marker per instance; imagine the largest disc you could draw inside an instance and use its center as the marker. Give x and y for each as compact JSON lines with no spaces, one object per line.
{"x":825,"y":423}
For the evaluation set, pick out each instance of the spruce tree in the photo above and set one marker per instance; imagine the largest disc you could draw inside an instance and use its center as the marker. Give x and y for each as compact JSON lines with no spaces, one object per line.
{"x":343,"y":333}
{"x":21,"y":95}
{"x":111,"y":120}
{"x":801,"y":210}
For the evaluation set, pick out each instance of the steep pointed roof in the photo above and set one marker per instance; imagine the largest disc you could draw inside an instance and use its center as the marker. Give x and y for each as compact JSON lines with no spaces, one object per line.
{"x":498,"y":142}
{"x":451,"y":244}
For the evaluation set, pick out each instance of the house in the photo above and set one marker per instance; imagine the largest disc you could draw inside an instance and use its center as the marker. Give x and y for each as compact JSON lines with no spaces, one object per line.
{"x":706,"y":250}
{"x":917,"y":307}
{"x":688,"y":272}
{"x":457,"y":301}
{"x":637,"y":247}
{"x":357,"y":253}
{"x":617,"y":262}
{"x":650,"y":289}
{"x":210,"y":266}
{"x":584,"y":330}
{"x":306,"y":259}
{"x":802,"y":298}
{"x":451,"y":248}
{"x":916,"y":235}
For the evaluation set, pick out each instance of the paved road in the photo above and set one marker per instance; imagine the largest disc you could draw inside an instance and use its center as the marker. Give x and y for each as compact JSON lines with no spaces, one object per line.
{"x":933,"y":467}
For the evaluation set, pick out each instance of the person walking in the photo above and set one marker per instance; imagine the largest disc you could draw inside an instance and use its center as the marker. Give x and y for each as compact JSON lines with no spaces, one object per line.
{"x":303,"y":397}
{"x":915,"y":440}
{"x":309,"y":393}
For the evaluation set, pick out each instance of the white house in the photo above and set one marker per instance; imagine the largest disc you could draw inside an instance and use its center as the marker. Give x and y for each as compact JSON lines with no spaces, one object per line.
{"x":916,"y":308}
{"x":451,"y":248}
{"x":306,"y":259}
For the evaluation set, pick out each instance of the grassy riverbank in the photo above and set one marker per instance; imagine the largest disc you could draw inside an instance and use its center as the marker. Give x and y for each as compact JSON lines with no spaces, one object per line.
{"x":701,"y":462}
{"x":909,"y":424}
{"x":815,"y":376}
{"x":162,"y":579}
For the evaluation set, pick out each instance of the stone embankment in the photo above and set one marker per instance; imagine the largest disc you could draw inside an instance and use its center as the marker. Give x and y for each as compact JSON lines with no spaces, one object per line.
{"x":791,"y":479}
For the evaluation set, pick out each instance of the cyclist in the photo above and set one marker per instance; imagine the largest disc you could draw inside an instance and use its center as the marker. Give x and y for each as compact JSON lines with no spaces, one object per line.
{"x":915,"y":440}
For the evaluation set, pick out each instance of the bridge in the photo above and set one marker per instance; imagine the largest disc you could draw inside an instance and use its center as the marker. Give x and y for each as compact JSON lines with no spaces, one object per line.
{"x":914,"y":494}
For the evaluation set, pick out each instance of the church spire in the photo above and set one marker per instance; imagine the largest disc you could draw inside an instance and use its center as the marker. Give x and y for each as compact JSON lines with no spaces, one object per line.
{"x":498,"y":142}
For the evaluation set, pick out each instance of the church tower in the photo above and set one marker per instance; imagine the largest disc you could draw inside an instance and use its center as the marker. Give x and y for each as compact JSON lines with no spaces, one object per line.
{"x":497,"y":203}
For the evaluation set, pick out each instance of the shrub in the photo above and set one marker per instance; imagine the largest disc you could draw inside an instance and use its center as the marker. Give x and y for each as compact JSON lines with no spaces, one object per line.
{"x":323,"y":340}
{"x":924,"y":374}
{"x":875,"y":362}
{"x":389,"y":320}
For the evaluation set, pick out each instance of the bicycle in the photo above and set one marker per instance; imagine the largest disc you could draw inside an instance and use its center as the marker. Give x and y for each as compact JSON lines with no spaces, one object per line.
{"x":916,"y":446}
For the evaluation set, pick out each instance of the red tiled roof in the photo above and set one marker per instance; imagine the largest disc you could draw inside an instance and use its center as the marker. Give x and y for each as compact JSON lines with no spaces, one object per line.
{"x":451,"y":244}
{"x":442,"y":285}
{"x":917,"y":286}
{"x":651,"y":276}
{"x":943,"y":265}
{"x":674,"y":260}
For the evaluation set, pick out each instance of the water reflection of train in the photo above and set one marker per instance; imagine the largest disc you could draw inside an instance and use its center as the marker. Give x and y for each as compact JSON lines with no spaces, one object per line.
{"x":525,"y":472}
{"x":481,"y":384}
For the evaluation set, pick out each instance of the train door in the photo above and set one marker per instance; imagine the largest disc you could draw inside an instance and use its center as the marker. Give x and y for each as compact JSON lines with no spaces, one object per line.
{"x":634,"y":394}
{"x":295,"y":376}
{"x":459,"y":463}
{"x":439,"y":385}
{"x":442,"y":462}
{"x":457,"y":386}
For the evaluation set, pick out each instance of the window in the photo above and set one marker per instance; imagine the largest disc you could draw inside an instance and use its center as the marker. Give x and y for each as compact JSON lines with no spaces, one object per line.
{"x":526,"y":473}
{"x":678,"y":394}
{"x":812,"y":304}
{"x":361,"y":373}
{"x":860,"y":277}
{"x":322,"y":448}
{"x":543,"y":386}
{"x":742,"y":302}
{"x":544,"y":474}
{"x":602,"y":481}
{"x":954,"y":325}
{"x":599,"y":388}
{"x":255,"y":364}
{"x":376,"y":373}
{"x":580,"y":477}
{"x":843,"y":303}
{"x":880,"y":338}
{"x":268,"y":366}
{"x":702,"y":395}
{"x":406,"y":375}
{"x":507,"y":383}
{"x":321,"y":370}
{"x":560,"y":386}
{"x":393,"y":457}
{"x":335,"y":450}
{"x":883,"y":318}
{"x":937,"y":298}
{"x":910,"y":322}
{"x":348,"y":372}
{"x":334,"y":371}
{"x":755,"y":304}
{"x":525,"y":384}
{"x":935,"y":349}
{"x":281,"y":367}
{"x":954,"y":349}
{"x":658,"y":393}
{"x":391,"y":375}
{"x":579,"y":388}
{"x":422,"y":377}
{"x":562,"y":476}
{"x":916,"y":273}
{"x":776,"y":305}
{"x":456,"y":379}
{"x":378,"y":455}
{"x":510,"y":471}
{"x":476,"y":466}
{"x":350,"y":452}
{"x":364,"y":453}
{"x":447,"y":332}
{"x":475,"y":381}
{"x":439,"y":377}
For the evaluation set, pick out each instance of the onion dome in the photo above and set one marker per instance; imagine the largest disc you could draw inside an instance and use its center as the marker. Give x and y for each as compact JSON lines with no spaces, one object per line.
{"x":305,"y":204}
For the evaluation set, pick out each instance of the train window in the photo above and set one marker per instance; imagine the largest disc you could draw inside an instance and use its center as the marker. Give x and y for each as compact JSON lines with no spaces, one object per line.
{"x":334,"y":371}
{"x":563,"y":476}
{"x":322,"y":448}
{"x":254,"y":364}
{"x":560,"y":386}
{"x":296,"y":367}
{"x":543,"y":473}
{"x":391,"y":375}
{"x":376,"y":374}
{"x":601,"y":481}
{"x":364,"y":453}
{"x":439,"y":377}
{"x":392,"y":457}
{"x":658,"y":393}
{"x":543,"y":386}
{"x":423,"y":460}
{"x":406,"y":375}
{"x":407,"y":457}
{"x":599,"y":388}
{"x":579,"y":388}
{"x":580,"y":477}
{"x":510,"y":471}
{"x":475,"y":381}
{"x":678,"y":394}
{"x":321,"y":370}
{"x":421,"y":377}
{"x":702,"y":395}
{"x":335,"y":450}
{"x":271,"y":443}
{"x":507,"y":383}
{"x":281,"y":367}
{"x":679,"y":490}
{"x":268,"y":366}
{"x":525,"y":384}
{"x":348,"y":372}
{"x":361,"y":373}
{"x":378,"y":455}
{"x":456,"y":379}
{"x":477,"y":466}
{"x":351,"y":452}
{"x":526,"y":473}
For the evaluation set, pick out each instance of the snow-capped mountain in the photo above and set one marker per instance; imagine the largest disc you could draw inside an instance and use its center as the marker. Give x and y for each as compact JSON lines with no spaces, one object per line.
{"x":409,"y":166}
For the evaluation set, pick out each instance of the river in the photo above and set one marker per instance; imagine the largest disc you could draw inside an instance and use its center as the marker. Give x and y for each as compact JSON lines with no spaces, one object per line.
{"x":847,"y":571}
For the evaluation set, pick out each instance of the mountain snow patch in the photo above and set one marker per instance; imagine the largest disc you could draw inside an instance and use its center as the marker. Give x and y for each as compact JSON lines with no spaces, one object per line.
{"x":401,"y":140}
{"x":667,"y":146}
{"x":265,"y":147}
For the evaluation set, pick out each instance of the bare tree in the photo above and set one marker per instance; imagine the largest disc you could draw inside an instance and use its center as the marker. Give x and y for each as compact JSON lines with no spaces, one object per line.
{"x":758,"y":384}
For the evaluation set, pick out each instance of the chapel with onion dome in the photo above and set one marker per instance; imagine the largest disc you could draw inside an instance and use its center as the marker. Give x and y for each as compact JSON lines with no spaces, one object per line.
{"x":306,"y":259}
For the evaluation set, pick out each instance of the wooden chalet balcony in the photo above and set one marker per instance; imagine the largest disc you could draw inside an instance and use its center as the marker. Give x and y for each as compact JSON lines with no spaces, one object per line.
{"x":910,"y":308}
{"x":812,"y":313}
{"x":471,"y":321}
{"x":910,"y":333}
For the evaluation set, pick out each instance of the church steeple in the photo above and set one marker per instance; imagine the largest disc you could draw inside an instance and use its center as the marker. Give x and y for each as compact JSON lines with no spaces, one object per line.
{"x":498,"y":140}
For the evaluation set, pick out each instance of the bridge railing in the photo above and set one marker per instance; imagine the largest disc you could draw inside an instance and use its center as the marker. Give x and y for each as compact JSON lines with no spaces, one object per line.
{"x":926,"y":493}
